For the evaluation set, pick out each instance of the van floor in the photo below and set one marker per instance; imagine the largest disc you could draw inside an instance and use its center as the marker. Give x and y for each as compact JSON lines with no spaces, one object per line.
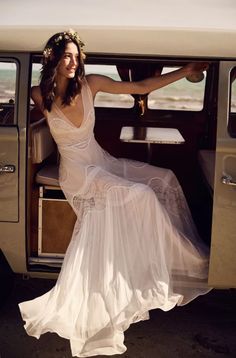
{"x":204,"y":328}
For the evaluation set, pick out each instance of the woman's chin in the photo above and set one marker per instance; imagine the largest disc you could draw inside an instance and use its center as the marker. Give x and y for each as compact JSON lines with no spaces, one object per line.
{"x":71,"y":74}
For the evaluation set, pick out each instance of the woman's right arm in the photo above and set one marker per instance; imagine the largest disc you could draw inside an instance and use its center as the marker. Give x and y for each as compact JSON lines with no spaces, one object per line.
{"x":37,"y":98}
{"x":106,"y":84}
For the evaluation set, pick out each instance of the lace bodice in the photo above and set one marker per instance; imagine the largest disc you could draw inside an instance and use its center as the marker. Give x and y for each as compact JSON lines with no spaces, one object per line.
{"x":67,"y":136}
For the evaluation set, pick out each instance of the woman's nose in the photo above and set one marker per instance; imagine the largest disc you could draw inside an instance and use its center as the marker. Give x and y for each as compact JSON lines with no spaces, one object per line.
{"x":74,"y":61}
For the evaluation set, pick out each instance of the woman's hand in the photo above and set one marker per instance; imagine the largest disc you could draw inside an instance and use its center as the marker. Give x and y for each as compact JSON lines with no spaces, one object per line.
{"x":194,"y":68}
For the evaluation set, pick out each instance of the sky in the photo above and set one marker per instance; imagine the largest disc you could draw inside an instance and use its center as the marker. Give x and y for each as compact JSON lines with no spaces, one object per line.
{"x":164,"y":13}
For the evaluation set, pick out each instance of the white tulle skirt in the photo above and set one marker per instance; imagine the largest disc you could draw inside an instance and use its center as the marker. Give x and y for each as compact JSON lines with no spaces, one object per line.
{"x":130,"y":252}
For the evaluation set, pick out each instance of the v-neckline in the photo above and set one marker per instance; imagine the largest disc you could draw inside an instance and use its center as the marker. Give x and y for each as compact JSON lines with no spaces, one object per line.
{"x":66,"y":118}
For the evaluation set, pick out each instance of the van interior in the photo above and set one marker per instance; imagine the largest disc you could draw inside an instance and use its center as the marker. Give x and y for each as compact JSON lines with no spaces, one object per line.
{"x":189,"y":105}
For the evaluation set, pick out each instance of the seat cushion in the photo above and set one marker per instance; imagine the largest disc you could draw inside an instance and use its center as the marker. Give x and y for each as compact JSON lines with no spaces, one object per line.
{"x":206,"y":159}
{"x":48,"y":175}
{"x":41,"y":141}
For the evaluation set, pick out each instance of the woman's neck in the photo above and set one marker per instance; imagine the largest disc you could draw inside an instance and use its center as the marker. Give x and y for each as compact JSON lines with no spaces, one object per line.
{"x":61,"y":85}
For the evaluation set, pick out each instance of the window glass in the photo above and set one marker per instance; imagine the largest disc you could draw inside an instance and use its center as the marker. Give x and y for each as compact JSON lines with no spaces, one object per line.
{"x":106,"y":99}
{"x":36,"y":68}
{"x":7,"y":92}
{"x":36,"y":74}
{"x":233,"y":90}
{"x":232,"y":113}
{"x":180,"y":95}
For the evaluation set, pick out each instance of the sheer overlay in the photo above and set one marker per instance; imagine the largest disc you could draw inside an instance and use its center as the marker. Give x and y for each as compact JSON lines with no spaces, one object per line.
{"x":134,"y":246}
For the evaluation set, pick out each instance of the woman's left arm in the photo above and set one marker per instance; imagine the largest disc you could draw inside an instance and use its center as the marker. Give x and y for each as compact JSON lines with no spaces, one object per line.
{"x":106,"y":84}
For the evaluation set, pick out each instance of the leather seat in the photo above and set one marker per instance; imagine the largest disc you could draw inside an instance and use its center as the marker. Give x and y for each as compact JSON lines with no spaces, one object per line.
{"x":48,"y":175}
{"x":42,"y":143}
{"x":42,"y":146}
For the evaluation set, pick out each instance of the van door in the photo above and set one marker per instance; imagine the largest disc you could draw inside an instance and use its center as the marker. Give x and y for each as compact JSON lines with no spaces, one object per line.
{"x":13,"y":123}
{"x":9,"y":185}
{"x":223,"y":246}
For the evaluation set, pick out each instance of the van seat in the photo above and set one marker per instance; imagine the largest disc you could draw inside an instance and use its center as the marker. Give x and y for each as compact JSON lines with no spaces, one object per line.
{"x":48,"y":175}
{"x":206,"y":158}
{"x":42,"y":143}
{"x":42,"y":146}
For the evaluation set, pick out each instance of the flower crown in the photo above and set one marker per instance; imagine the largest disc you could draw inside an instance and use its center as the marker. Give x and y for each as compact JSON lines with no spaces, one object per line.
{"x":66,"y":35}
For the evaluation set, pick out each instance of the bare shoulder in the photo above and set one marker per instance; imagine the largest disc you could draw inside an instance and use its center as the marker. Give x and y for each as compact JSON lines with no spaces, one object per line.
{"x":92,"y":78}
{"x":93,"y":82}
{"x":99,"y":82}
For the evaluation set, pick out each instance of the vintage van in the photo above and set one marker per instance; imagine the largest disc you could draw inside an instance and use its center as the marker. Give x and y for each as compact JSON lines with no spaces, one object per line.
{"x":35,"y":219}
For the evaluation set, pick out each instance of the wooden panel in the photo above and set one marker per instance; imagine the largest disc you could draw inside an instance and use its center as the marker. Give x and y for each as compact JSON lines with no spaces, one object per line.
{"x":58,"y":221}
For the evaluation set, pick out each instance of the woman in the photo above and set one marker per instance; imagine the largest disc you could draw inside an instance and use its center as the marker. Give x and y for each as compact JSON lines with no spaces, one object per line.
{"x":134,"y":246}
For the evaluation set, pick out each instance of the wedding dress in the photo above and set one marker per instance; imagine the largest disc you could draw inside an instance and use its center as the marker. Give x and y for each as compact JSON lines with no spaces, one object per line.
{"x":134,"y":246}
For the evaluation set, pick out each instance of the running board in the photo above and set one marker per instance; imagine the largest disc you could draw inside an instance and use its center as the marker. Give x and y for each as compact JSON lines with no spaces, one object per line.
{"x":48,"y":261}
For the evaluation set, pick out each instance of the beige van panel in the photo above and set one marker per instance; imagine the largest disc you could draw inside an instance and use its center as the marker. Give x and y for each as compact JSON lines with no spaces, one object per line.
{"x":223,"y":245}
{"x":128,"y":41}
{"x":13,"y":246}
{"x":9,"y":181}
{"x":223,"y":248}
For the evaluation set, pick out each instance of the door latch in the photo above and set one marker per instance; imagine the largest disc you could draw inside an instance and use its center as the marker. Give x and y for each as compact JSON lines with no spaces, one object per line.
{"x":228,"y":180}
{"x":7,"y":168}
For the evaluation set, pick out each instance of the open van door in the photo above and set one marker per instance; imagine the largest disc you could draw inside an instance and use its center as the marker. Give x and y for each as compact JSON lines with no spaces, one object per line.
{"x":13,"y":119}
{"x":9,"y":181}
{"x":223,"y":245}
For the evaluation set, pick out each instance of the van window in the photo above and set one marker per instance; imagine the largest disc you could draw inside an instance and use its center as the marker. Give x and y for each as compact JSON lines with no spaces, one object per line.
{"x":106,"y":99}
{"x":233,"y":90}
{"x":36,"y":68}
{"x":8,"y":70}
{"x":36,"y":74}
{"x":232,"y":114}
{"x":180,"y":95}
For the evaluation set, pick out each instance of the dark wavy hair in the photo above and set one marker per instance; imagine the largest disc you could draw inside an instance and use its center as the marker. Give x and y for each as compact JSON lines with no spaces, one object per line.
{"x":52,"y":54}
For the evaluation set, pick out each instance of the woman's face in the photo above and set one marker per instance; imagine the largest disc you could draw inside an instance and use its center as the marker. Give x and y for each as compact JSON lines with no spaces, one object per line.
{"x":69,"y":62}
